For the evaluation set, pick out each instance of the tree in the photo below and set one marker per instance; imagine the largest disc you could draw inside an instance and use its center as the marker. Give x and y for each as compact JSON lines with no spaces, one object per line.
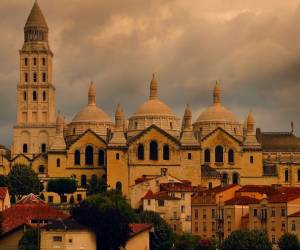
{"x":206,"y":244}
{"x":108,"y":217}
{"x":42,"y":196}
{"x":97,"y":185}
{"x":3,"y":181}
{"x":29,"y":240}
{"x":62,"y":186}
{"x":163,"y":237}
{"x":186,"y":241}
{"x":289,"y":242}
{"x":245,"y":240}
{"x":22,"y":180}
{"x":72,"y":200}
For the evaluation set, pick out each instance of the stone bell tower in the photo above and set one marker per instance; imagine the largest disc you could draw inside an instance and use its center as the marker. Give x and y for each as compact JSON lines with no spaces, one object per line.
{"x":36,"y":113}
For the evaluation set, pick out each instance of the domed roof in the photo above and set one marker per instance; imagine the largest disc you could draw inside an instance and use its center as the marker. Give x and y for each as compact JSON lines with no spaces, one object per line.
{"x":153,"y":106}
{"x":217,"y":112}
{"x":91,"y":113}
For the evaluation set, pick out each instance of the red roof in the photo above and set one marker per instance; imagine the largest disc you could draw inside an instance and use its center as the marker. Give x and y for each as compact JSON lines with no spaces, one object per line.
{"x":297,"y":214}
{"x":3,"y":192}
{"x":162,"y":195}
{"x":139,"y":228}
{"x":215,"y":190}
{"x":241,"y":200}
{"x":290,"y":190}
{"x":27,"y":209}
{"x":149,"y":195}
{"x":180,"y":187}
{"x":262,"y":189}
{"x":283,"y":198}
{"x":145,"y":178}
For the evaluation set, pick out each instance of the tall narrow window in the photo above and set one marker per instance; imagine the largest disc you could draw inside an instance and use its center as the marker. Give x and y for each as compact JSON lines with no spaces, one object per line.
{"x":235,"y":178}
{"x":219,"y":154}
{"x":58,"y":162}
{"x":153,"y":151}
{"x":34,"y":95}
{"x":119,"y":187}
{"x":166,"y":153}
{"x":286,"y":175}
{"x":25,"y":95}
{"x":298,"y":175}
{"x":35,"y":77}
{"x":25,"y":148}
{"x":44,"y":77}
{"x":43,"y":148}
{"x":77,"y":158}
{"x":224,"y":179}
{"x":26,"y":61}
{"x":207,"y":155}
{"x":89,"y":155}
{"x":83,"y":180}
{"x":101,"y":158}
{"x":230,"y":156}
{"x":117,"y":156}
{"x":141,"y":152}
{"x":26,"y":77}
{"x":44,"y":61}
{"x":251,"y":159}
{"x":44,"y":96}
{"x":34,"y":61}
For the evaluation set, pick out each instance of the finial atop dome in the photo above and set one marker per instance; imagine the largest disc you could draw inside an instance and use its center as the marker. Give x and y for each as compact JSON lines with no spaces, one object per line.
{"x":153,"y":88}
{"x":36,"y":17}
{"x":217,"y":93}
{"x":119,"y":116}
{"x":92,"y":94}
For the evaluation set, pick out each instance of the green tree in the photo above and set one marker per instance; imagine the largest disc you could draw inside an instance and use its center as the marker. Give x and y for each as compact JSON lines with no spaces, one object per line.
{"x":186,"y":241}
{"x":72,"y":200}
{"x":245,"y":240}
{"x":42,"y":196}
{"x":22,"y":180}
{"x":108,"y":216}
{"x":163,"y":237}
{"x":206,"y":244}
{"x":62,"y":186}
{"x":29,"y":240}
{"x":3,"y":181}
{"x":289,"y":242}
{"x":97,"y":185}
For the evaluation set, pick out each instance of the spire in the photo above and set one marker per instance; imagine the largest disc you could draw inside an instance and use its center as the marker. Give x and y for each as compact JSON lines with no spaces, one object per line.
{"x":36,"y":17}
{"x":217,"y":93}
{"x":187,"y":118}
{"x":250,"y":122}
{"x":250,"y":138}
{"x":119,"y":117}
{"x":187,"y":135}
{"x":60,"y":121}
{"x":92,"y":94}
{"x":153,"y":88}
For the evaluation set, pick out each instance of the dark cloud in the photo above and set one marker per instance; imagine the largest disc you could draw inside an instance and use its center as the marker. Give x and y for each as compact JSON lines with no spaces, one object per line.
{"x":251,"y":47}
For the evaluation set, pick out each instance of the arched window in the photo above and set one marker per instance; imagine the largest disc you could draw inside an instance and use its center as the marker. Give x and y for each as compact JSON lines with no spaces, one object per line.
{"x":235,"y":178}
{"x":251,"y":159}
{"x":25,"y":95}
{"x":224,"y":179}
{"x":207,"y":155}
{"x":230,"y":156}
{"x":166,"y":153}
{"x":153,"y":151}
{"x":44,"y":96}
{"x":286,"y":175}
{"x":83,"y":180}
{"x":43,"y":148}
{"x":141,"y":152}
{"x":34,"y":95}
{"x":119,"y":187}
{"x":219,"y":154}
{"x":89,"y":155}
{"x":25,"y":148}
{"x":77,"y":157}
{"x":58,"y":162}
{"x":101,"y":158}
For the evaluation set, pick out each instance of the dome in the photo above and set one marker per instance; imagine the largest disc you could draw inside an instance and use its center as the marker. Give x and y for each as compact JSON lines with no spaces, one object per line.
{"x":91,"y":114}
{"x":217,"y":113}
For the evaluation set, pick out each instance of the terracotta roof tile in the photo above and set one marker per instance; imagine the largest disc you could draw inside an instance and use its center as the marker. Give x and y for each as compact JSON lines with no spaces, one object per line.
{"x":262,"y":189}
{"x":290,"y":190}
{"x":149,"y":195}
{"x":180,"y":187}
{"x":283,"y":198}
{"x":297,"y":214}
{"x":241,"y":200}
{"x":138,"y":228}
{"x":215,"y":190}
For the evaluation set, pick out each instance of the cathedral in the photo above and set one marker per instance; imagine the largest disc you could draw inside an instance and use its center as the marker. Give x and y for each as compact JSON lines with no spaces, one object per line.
{"x":215,"y":149}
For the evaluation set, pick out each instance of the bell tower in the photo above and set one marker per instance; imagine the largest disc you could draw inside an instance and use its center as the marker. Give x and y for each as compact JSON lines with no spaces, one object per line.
{"x":36,"y":112}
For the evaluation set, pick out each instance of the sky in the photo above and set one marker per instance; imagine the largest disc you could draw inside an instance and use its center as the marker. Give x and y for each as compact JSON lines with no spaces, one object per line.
{"x":251,"y":46}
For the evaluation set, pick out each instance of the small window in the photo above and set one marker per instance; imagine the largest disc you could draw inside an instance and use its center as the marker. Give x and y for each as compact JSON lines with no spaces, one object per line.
{"x":119,"y":187}
{"x":26,"y":61}
{"x":207,"y":155}
{"x":44,"y":77}
{"x":83,"y":181}
{"x":117,"y":156}
{"x":141,"y":152}
{"x":43,"y":148}
{"x":41,"y":169}
{"x":44,"y":61}
{"x":25,"y":148}
{"x":189,"y":156}
{"x":44,"y":96}
{"x":101,"y":158}
{"x":210,"y":185}
{"x":283,"y":213}
{"x":34,"y":96}
{"x":286,"y":175}
{"x":230,"y":156}
{"x":135,"y":125}
{"x":77,"y":158}
{"x":251,"y":159}
{"x":74,"y":131}
{"x":196,"y":213}
{"x":34,"y":61}
{"x":219,"y":154}
{"x":25,"y":96}
{"x":161,"y":203}
{"x":26,"y":77}
{"x":255,"y":212}
{"x":149,"y":202}
{"x":273,"y":212}
{"x":79,"y":197}
{"x":293,"y":226}
{"x":58,"y":162}
{"x":35,"y":77}
{"x":166,"y":152}
{"x":153,"y":151}
{"x":171,"y":125}
{"x":89,"y":155}
{"x":298,"y":175}
{"x":50,"y":199}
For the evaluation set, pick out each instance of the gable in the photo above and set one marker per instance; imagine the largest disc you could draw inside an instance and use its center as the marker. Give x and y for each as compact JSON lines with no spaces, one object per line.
{"x":21,"y":159}
{"x":87,"y":138}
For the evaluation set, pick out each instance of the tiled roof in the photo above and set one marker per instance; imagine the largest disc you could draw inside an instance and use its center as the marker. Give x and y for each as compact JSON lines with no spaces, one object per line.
{"x":26,"y":210}
{"x":262,"y":189}
{"x":139,"y":228}
{"x":60,"y":224}
{"x":31,"y":199}
{"x":241,"y":200}
{"x":3,"y":192}
{"x":149,"y":195}
{"x":215,"y":190}
{"x":290,"y":190}
{"x":162,"y":195}
{"x":180,"y":187}
{"x":282,"y":198}
{"x":297,"y":214}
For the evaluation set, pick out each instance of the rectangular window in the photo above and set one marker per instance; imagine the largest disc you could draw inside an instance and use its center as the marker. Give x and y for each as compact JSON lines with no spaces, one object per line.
{"x":298,"y":175}
{"x":182,"y":209}
{"x":149,"y":202}
{"x":35,"y":77}
{"x":273,"y":213}
{"x":196,"y":227}
{"x":44,"y":61}
{"x":34,"y":61}
{"x":44,"y":77}
{"x":196,"y":213}
{"x":213,"y":226}
{"x":213,"y":213}
{"x":161,"y":203}
{"x":26,"y":61}
{"x":50,"y":199}
{"x":283,"y":212}
{"x":204,"y":227}
{"x":293,"y":226}
{"x":57,"y":238}
{"x":79,"y":197}
{"x":273,"y":239}
{"x":204,"y":213}
{"x":255,"y":212}
{"x":182,"y":196}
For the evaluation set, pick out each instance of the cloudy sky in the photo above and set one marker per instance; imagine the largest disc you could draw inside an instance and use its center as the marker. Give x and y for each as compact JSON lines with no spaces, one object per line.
{"x":251,"y":46}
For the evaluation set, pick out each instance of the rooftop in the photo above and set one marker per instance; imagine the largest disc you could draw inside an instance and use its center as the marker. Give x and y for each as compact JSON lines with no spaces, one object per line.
{"x":262,"y":189}
{"x":283,"y":198}
{"x":241,"y":200}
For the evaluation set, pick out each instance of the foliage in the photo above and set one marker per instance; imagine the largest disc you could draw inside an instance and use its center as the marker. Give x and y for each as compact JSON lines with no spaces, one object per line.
{"x":108,"y":215}
{"x":29,"y":241}
{"x":97,"y":185}
{"x":163,"y":237}
{"x":187,"y":242}
{"x":206,"y":244}
{"x":72,"y":200}
{"x":62,"y":186}
{"x":42,"y":196}
{"x":3,"y":181}
{"x":22,"y":180}
{"x":289,"y":242}
{"x":245,"y":240}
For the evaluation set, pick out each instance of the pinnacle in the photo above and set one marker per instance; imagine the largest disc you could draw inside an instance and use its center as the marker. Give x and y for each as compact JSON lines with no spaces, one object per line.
{"x":36,"y":17}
